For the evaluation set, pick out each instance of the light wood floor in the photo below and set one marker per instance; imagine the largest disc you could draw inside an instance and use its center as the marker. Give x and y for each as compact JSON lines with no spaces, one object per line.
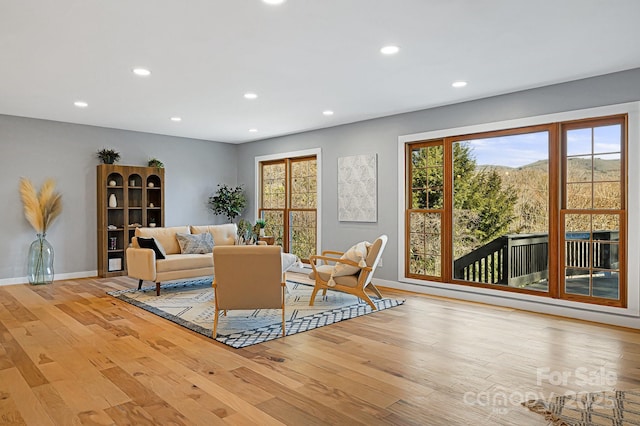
{"x":70,"y":354}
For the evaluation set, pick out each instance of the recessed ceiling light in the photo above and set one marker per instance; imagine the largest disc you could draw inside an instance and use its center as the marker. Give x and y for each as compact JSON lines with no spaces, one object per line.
{"x":327,"y":112}
{"x":253,"y":130}
{"x":81,"y":104}
{"x":459,"y":83}
{"x":389,"y":50}
{"x":176,"y":119}
{"x":142,"y":72}
{"x":273,"y":1}
{"x":250,"y":95}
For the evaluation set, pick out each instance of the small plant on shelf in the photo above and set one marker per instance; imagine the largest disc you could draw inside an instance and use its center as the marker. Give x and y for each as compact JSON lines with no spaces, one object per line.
{"x":258,"y":229}
{"x":108,"y":156}
{"x":154,"y":162}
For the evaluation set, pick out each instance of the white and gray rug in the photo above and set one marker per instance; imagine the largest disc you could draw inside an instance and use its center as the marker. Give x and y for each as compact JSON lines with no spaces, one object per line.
{"x":189,"y":303}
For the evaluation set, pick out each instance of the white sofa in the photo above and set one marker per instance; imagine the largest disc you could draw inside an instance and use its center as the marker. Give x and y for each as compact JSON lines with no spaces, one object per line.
{"x":143,"y":265}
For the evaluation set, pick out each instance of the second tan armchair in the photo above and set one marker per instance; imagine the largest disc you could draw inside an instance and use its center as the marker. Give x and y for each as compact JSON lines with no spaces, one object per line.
{"x":248,"y":277}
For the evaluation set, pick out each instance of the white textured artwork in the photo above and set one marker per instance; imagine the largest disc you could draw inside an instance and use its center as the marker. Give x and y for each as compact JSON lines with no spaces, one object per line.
{"x":358,"y":188}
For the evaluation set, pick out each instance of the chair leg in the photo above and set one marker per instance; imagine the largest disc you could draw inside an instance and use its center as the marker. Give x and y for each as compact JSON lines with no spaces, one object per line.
{"x":158,"y":289}
{"x":364,"y":296}
{"x":375,"y":290}
{"x":313,"y":294}
{"x":215,"y":324}
{"x":216,"y":311}
{"x":139,"y":284}
{"x":284,"y":333}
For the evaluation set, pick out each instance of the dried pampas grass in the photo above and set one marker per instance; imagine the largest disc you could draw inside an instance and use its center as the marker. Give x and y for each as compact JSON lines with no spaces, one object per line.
{"x":41,"y":208}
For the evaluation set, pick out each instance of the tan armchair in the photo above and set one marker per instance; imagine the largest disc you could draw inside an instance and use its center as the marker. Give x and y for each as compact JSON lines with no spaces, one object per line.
{"x":248,"y":277}
{"x":323,"y":266}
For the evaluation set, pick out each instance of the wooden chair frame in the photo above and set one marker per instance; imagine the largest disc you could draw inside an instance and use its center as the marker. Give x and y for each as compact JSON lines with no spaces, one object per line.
{"x":330,"y":256}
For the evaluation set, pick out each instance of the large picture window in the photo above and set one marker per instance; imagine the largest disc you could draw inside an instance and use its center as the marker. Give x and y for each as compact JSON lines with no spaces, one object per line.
{"x":538,"y":209}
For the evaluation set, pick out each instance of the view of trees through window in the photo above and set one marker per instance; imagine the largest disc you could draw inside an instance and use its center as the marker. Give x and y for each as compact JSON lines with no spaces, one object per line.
{"x":289,"y":203}
{"x":483,"y":215}
{"x":501,"y":205}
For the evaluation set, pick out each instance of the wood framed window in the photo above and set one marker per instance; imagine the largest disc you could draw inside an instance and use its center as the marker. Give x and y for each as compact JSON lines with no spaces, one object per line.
{"x":538,"y":209}
{"x":425,"y":212}
{"x":593,"y":211}
{"x":288,"y":203}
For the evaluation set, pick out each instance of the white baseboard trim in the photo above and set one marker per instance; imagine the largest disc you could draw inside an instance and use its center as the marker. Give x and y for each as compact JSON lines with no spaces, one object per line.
{"x":68,"y":276}
{"x":622,"y":320}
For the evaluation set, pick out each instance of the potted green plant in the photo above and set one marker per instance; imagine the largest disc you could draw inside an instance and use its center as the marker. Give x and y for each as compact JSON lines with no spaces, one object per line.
{"x":228,"y":201}
{"x":154,"y":162}
{"x":244,"y":231}
{"x":260,"y":224}
{"x":108,"y":156}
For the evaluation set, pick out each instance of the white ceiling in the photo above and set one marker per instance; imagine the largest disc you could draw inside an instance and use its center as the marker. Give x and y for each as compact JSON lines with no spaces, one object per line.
{"x":301,"y":58}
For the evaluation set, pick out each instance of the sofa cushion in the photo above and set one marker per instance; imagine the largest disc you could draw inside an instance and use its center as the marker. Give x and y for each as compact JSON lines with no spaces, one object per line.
{"x":195,"y":243}
{"x":151,"y":243}
{"x":166,"y":236}
{"x":183,"y":262}
{"x":223,"y":235}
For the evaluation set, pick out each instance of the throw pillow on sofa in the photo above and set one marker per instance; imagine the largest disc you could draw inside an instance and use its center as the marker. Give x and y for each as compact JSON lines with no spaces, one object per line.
{"x":195,"y":243}
{"x":152,"y":243}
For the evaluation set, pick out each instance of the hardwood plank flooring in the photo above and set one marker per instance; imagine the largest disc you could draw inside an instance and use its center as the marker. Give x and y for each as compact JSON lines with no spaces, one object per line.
{"x":71,"y":354}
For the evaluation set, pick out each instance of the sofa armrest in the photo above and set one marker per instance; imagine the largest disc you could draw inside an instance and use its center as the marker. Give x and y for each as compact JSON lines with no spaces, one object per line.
{"x":141,"y":263}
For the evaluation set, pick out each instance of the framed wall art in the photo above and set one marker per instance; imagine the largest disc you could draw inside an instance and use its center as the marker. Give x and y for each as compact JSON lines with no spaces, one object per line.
{"x":358,"y":188}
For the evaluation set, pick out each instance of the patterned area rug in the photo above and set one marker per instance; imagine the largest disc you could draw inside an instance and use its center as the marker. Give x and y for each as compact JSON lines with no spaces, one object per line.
{"x":190,"y":304}
{"x":615,"y":408}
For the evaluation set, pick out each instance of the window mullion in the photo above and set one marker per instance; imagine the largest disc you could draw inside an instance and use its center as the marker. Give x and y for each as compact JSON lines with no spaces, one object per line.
{"x":447,"y":219}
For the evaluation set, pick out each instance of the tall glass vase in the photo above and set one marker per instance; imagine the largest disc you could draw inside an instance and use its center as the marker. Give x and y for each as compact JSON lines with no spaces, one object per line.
{"x":40,"y":268}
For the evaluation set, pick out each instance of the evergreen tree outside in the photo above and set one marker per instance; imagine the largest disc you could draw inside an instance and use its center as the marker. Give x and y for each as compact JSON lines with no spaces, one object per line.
{"x":483,"y":206}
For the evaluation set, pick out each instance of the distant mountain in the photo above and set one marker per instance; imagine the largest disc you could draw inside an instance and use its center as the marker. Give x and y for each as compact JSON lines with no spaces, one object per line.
{"x":600,"y":166}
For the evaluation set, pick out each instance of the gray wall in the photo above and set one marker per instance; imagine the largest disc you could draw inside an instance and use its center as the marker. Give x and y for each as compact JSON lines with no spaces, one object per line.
{"x":38,"y":149}
{"x":381,"y":136}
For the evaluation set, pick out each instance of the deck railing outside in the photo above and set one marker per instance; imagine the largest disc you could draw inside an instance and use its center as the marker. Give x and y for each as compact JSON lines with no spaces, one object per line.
{"x":521,"y":259}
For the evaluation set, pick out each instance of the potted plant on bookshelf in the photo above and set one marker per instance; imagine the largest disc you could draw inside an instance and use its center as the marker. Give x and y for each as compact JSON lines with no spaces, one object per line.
{"x":108,"y":156}
{"x":228,"y":201}
{"x":154,"y":162}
